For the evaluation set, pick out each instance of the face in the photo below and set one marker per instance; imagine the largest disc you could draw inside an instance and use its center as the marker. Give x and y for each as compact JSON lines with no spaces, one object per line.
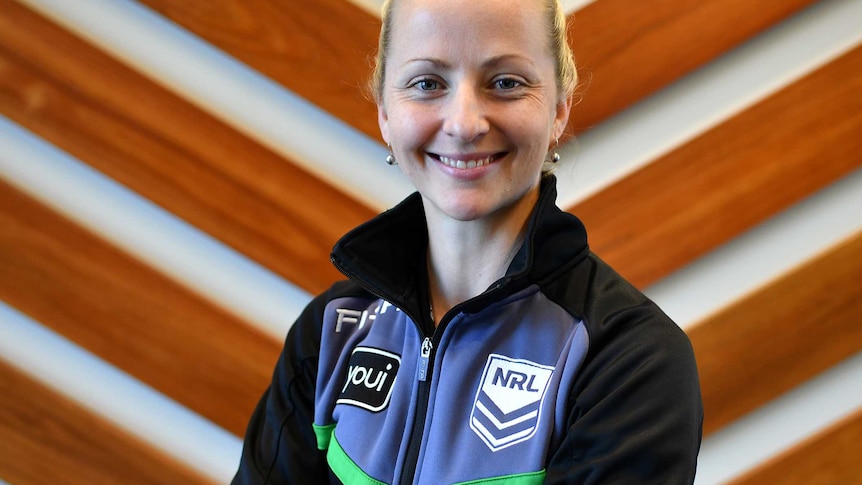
{"x":470,"y":104}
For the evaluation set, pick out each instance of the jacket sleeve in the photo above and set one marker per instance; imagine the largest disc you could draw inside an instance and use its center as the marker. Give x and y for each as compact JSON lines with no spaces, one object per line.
{"x":635,"y":409}
{"x":280,"y":445}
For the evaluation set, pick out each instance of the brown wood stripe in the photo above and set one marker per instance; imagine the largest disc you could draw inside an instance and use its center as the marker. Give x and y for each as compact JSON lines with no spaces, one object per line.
{"x":57,"y":94}
{"x":320,"y":50}
{"x":829,"y":458}
{"x":781,"y":335}
{"x":75,"y":284}
{"x":626,"y":50}
{"x":133,"y":317}
{"x":161,"y":146}
{"x":732,"y":177}
{"x":47,"y":439}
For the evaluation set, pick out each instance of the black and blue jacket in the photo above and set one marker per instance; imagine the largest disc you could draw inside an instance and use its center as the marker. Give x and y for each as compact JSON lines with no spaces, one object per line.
{"x":561,"y":372}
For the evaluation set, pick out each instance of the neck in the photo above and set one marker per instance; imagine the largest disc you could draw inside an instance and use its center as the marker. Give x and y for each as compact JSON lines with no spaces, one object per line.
{"x":466,"y":257}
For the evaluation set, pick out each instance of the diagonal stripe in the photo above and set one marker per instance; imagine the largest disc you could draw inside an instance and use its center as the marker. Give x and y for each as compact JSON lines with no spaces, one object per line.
{"x":122,"y":401}
{"x":830,"y":457}
{"x":503,"y":416}
{"x":781,"y":335}
{"x":629,"y":50}
{"x":169,"y":151}
{"x":510,"y":420}
{"x":611,"y":38}
{"x":48,"y":439}
{"x":130,"y":315}
{"x":498,"y":439}
{"x":731,"y":178}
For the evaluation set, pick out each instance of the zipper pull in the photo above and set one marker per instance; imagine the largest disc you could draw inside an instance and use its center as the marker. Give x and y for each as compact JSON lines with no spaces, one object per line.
{"x":424,"y":355}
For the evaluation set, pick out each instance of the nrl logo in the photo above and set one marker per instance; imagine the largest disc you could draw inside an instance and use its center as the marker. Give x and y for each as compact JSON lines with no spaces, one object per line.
{"x":509,"y":401}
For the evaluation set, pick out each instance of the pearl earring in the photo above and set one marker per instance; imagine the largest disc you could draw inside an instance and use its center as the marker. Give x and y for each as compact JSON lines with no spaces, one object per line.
{"x":390,"y":159}
{"x":554,"y":157}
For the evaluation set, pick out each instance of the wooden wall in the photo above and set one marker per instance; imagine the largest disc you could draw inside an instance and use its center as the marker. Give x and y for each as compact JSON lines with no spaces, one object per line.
{"x":173,"y":175}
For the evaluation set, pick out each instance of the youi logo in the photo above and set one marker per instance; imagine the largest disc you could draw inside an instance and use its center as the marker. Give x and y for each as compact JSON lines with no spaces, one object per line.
{"x":509,"y":401}
{"x":370,"y":375}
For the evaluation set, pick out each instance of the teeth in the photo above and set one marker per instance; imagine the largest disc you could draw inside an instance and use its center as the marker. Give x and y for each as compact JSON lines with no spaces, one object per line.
{"x":465,"y":165}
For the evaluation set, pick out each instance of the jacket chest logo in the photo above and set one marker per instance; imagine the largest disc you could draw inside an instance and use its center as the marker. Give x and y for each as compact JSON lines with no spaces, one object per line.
{"x":509,"y":400}
{"x":370,"y":377}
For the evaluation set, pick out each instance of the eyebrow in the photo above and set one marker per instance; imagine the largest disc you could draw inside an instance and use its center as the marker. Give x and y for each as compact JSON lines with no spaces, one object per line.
{"x":430,"y":60}
{"x":491,"y":62}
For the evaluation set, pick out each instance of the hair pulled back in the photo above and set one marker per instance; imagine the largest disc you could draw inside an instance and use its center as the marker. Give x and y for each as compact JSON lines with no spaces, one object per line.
{"x":567,"y":74}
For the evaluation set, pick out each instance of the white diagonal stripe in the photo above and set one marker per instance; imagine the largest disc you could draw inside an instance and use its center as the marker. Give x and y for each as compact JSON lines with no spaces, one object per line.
{"x":508,"y":424}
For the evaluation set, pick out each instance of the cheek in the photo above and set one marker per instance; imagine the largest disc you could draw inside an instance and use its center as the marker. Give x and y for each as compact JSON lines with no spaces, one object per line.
{"x":411,"y":126}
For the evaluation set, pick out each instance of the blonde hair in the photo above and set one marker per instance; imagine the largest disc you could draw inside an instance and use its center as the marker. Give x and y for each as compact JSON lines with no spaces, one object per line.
{"x":567,"y":74}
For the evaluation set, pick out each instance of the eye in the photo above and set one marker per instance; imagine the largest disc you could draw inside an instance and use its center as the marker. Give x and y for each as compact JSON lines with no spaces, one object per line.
{"x":426,"y":85}
{"x":506,"y":83}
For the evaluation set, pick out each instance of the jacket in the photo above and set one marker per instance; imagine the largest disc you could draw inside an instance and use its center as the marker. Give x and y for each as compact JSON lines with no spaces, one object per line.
{"x":561,"y":372}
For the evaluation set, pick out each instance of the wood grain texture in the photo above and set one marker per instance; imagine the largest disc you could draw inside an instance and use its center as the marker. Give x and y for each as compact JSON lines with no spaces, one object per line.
{"x":829,"y":458}
{"x":320,"y":50}
{"x":133,"y":317}
{"x":257,"y":213}
{"x":628,"y":50}
{"x":47,"y":439}
{"x":91,"y":106}
{"x":781,"y":335}
{"x":732,"y":177}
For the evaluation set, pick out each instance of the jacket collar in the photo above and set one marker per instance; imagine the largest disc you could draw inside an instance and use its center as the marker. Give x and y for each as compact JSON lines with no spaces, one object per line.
{"x":387,"y":255}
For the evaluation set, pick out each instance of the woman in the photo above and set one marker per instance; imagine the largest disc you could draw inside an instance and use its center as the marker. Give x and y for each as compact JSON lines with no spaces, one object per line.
{"x":477,"y":338}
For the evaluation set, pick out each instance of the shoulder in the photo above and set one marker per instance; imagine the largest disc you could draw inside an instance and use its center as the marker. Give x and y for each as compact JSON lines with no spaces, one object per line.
{"x":637,"y":391}
{"x":304,"y":336}
{"x":608,"y":304}
{"x":628,"y":334}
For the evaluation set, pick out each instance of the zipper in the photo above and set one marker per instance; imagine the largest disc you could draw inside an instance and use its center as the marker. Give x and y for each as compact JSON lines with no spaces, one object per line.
{"x":424,"y":357}
{"x":423,"y":375}
{"x":424,"y":368}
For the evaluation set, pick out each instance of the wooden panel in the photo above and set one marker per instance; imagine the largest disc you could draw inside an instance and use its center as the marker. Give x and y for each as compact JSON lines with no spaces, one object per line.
{"x":159,"y":145}
{"x":829,"y":458}
{"x":277,"y":227}
{"x":732,"y":177}
{"x":781,"y":335}
{"x":131,"y":316}
{"x":47,"y":439}
{"x":320,"y":50}
{"x":628,"y":50}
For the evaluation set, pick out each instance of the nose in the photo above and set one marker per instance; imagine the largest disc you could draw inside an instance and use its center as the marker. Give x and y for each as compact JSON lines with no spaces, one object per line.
{"x":465,"y":117}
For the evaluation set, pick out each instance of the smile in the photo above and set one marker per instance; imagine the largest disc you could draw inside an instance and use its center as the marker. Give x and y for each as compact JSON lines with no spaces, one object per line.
{"x":466,"y":164}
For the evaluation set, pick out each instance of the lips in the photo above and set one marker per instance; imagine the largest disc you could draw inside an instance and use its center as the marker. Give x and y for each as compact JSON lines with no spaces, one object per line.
{"x":467,"y":162}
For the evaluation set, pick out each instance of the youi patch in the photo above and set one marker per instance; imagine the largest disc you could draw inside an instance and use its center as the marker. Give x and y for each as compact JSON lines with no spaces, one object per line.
{"x":509,"y":400}
{"x":370,"y":377}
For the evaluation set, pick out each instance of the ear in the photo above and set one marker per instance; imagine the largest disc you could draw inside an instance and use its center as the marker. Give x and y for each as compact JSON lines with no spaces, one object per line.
{"x":383,"y":122}
{"x":561,"y":117}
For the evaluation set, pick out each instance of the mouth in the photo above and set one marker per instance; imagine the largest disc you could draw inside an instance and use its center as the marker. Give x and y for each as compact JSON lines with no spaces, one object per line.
{"x":470,"y":162}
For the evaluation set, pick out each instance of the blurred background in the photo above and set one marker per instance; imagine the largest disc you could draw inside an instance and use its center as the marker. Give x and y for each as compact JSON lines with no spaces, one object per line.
{"x":173,"y":174}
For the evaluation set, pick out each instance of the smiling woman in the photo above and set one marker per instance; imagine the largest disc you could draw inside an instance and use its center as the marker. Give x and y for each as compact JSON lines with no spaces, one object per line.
{"x":477,"y":338}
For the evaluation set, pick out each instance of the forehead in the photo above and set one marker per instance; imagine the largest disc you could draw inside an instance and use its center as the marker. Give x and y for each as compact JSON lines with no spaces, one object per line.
{"x":436,"y":28}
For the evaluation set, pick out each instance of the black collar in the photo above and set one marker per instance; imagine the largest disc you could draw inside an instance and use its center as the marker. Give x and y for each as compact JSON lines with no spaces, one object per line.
{"x":387,"y":255}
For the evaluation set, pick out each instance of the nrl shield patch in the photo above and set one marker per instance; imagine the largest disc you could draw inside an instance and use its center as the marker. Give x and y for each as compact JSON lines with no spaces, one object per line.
{"x":509,"y":400}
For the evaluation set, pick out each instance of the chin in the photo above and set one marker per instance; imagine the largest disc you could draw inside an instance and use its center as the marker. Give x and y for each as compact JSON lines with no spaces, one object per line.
{"x":460,"y":209}
{"x":466,"y":211}
{"x":464,"y":214}
{"x":475,"y":206}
